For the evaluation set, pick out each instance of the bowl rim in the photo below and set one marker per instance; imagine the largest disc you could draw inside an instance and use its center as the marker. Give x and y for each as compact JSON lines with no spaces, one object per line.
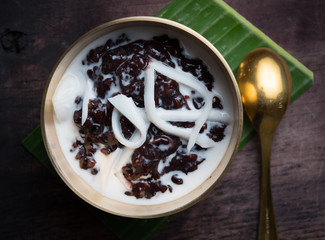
{"x":237,"y":129}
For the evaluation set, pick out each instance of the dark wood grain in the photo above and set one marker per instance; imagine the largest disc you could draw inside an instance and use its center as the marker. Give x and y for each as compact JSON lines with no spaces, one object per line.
{"x":35,"y":205}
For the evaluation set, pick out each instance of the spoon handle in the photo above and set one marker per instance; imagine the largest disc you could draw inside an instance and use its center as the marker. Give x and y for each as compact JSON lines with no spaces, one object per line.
{"x":267,"y":226}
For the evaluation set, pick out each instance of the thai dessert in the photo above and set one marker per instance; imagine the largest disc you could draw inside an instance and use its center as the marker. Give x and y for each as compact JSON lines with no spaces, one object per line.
{"x":140,"y":118}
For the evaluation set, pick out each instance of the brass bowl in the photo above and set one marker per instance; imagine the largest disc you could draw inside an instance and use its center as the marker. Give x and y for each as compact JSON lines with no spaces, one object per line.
{"x":204,"y":50}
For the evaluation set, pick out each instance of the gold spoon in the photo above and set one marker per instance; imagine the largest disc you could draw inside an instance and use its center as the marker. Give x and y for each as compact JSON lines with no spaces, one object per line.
{"x":265,"y":84}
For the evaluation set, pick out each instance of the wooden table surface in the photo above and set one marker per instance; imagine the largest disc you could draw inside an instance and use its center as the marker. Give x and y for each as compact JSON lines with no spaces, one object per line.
{"x":35,"y":205}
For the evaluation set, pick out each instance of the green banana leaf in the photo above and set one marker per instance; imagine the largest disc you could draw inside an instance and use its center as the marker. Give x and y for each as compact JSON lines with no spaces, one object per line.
{"x":234,"y":37}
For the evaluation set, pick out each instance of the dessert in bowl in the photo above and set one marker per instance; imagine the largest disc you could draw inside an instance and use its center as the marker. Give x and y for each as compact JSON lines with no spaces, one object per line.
{"x":141,"y":117}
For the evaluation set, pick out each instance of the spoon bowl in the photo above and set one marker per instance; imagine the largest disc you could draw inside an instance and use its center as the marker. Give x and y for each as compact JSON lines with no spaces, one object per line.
{"x":265,"y":84}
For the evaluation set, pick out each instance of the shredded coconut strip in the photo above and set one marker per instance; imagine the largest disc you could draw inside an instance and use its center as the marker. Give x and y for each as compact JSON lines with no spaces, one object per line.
{"x":125,"y":106}
{"x":106,"y":168}
{"x":70,"y":85}
{"x":88,"y":94}
{"x":183,"y":78}
{"x":122,"y":161}
{"x":186,"y":115}
{"x":113,"y":164}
